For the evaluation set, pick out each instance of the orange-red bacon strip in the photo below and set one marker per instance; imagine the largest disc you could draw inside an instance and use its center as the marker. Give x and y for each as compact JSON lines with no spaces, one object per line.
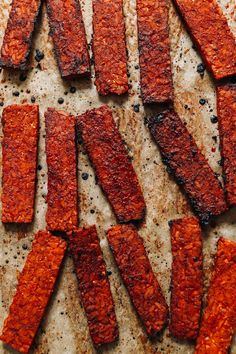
{"x":139,"y":279}
{"x":17,"y":40}
{"x":209,"y":29}
{"x":69,"y":38}
{"x":109,"y":47}
{"x":187,"y":282}
{"x":226,"y":107}
{"x":219,"y":320}
{"x":154,"y":51}
{"x":19,"y":154}
{"x":187,"y":164}
{"x":94,"y":285}
{"x":111,"y":162}
{"x":35,"y":287}
{"x":62,"y":212}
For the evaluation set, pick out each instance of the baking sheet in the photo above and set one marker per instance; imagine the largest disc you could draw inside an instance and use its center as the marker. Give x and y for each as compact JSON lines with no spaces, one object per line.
{"x":64,"y":329}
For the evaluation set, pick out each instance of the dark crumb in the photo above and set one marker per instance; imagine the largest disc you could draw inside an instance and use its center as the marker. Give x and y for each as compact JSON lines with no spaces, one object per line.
{"x":201,"y":69}
{"x":109,"y":272}
{"x":22,"y":77}
{"x":136,"y":107}
{"x":39,"y":55}
{"x":214,"y":119}
{"x":16,"y":93}
{"x":39,"y":167}
{"x":85,"y":176}
{"x":33,"y":99}
{"x":60,"y":100}
{"x":1,"y":104}
{"x":202,"y":101}
{"x":72,"y":89}
{"x":92,"y":211}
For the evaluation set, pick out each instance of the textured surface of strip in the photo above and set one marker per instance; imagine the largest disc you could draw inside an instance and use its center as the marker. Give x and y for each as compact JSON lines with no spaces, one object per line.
{"x":68,"y":34}
{"x":187,"y":282}
{"x":112,"y":164}
{"x":94,"y":285}
{"x":17,"y":40}
{"x":154,"y":51}
{"x":109,"y":47}
{"x":187,"y":164}
{"x":62,"y":212}
{"x":19,"y":160}
{"x":226,"y":107}
{"x":34,"y":289}
{"x":209,"y":29}
{"x":219,"y":320}
{"x":139,"y":279}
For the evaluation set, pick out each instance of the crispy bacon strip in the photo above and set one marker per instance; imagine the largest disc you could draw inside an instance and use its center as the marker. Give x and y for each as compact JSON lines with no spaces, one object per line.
{"x":209,"y":29}
{"x":139,"y":279}
{"x":186,"y":284}
{"x":94,"y":285}
{"x":19,"y":153}
{"x":154,"y":51}
{"x":112,"y":165}
{"x":18,"y":35}
{"x":35,"y":287}
{"x":190,"y":168}
{"x":62,"y":212}
{"x":226,"y":107}
{"x":109,"y":47}
{"x":219,"y":320}
{"x":68,"y":34}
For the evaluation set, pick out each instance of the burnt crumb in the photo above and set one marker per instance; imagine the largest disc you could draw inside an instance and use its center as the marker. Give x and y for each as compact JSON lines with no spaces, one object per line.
{"x":40,"y":167}
{"x":33,"y":99}
{"x":202,"y":101}
{"x":16,"y":93}
{"x":214,"y":137}
{"x":85,"y":176}
{"x":136,"y":107}
{"x":24,"y":247}
{"x":92,"y":211}
{"x":22,"y":77}
{"x":60,"y":100}
{"x":1,"y":104}
{"x":214,"y":119}
{"x":109,"y":272}
{"x":136,"y":67}
{"x":72,"y":89}
{"x":201,"y":69}
{"x":39,"y":55}
{"x":66,"y":93}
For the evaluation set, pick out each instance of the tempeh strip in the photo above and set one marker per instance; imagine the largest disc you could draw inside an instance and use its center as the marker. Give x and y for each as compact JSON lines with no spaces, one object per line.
{"x":112,"y":165}
{"x":34,"y":289}
{"x":219,"y":319}
{"x":94,"y":285}
{"x":187,"y":164}
{"x":138,"y":277}
{"x":187,"y":278}
{"x":62,"y":212}
{"x":19,"y":162}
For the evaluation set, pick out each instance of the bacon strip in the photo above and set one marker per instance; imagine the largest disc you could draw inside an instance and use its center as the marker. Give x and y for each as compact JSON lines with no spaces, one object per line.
{"x":94,"y":285}
{"x":226,"y":107}
{"x":139,"y":279}
{"x":154,"y":51}
{"x":109,"y":47}
{"x":209,"y":29}
{"x":19,"y":153}
{"x":17,"y":40}
{"x":190,"y":168}
{"x":35,"y":287}
{"x":219,"y":320}
{"x":112,"y":165}
{"x":68,"y":34}
{"x":187,"y":278}
{"x":62,"y":212}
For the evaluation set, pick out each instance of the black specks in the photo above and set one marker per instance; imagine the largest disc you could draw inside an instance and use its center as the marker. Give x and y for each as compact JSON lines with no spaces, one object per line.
{"x":1,"y":104}
{"x":72,"y":89}
{"x":158,"y":118}
{"x":214,"y":119}
{"x":136,"y":67}
{"x":220,"y":162}
{"x":22,"y":77}
{"x":60,"y":100}
{"x":92,"y":211}
{"x":136,"y":108}
{"x":24,"y":247}
{"x":201,"y":69}
{"x":214,"y":138}
{"x":33,"y":99}
{"x":39,"y":167}
{"x":16,"y":93}
{"x":85,"y":176}
{"x":39,"y":55}
{"x":109,"y":272}
{"x":202,"y":101}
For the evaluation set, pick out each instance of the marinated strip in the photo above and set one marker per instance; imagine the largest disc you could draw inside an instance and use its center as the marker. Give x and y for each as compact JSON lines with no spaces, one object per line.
{"x":17,"y":40}
{"x":187,"y":282}
{"x":19,"y":162}
{"x":154,"y":51}
{"x":139,"y":279}
{"x":187,"y":164}
{"x":109,"y":47}
{"x":68,"y":34}
{"x":209,"y":29}
{"x":112,"y":165}
{"x":94,"y":285}
{"x":35,"y":287}
{"x":219,"y":320}
{"x":62,"y":212}
{"x":226,"y":107}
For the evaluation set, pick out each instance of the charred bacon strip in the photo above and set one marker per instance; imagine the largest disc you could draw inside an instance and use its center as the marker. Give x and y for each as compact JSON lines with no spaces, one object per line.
{"x":209,"y":29}
{"x":94,"y":285}
{"x":109,"y":47}
{"x":219,"y":320}
{"x":17,"y":40}
{"x":186,"y":284}
{"x":62,"y":212}
{"x":226,"y":107}
{"x":139,"y":279}
{"x":154,"y":51}
{"x":19,"y":153}
{"x":190,"y":168}
{"x":112,"y":165}
{"x":35,"y":287}
{"x":69,"y":38}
